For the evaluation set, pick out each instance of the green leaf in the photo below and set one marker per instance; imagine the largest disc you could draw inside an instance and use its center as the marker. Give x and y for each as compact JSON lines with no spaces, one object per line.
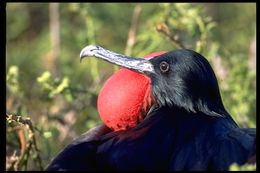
{"x":245,"y":167}
{"x":47,"y":134}
{"x":44,"y":77}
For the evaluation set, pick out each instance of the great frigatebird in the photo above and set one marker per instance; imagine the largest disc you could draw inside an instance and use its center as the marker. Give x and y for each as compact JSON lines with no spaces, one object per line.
{"x":187,"y":127}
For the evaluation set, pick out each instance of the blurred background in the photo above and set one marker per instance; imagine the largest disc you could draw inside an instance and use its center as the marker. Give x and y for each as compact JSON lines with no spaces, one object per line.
{"x":51,"y":97}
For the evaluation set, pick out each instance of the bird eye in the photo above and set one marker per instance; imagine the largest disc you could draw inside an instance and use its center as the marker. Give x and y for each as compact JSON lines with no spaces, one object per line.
{"x":164,"y":67}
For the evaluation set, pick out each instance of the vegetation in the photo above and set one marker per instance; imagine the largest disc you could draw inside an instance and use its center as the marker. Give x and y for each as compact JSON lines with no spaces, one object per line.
{"x":51,"y":97}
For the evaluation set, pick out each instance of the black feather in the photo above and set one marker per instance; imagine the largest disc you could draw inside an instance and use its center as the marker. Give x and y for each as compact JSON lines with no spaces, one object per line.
{"x":188,"y":130}
{"x":190,"y":83}
{"x":167,"y":140}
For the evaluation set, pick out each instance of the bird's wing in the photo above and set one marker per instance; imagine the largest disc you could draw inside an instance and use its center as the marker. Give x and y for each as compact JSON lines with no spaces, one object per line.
{"x":238,"y":146}
{"x":250,"y":131}
{"x":81,"y":153}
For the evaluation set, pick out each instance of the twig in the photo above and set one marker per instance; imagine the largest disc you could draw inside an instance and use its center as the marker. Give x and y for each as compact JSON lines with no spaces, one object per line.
{"x":77,"y":90}
{"x":252,"y":55}
{"x":54,"y":36}
{"x":23,"y":121}
{"x":22,"y":140}
{"x":31,"y":141}
{"x":163,"y":28}
{"x":9,"y":130}
{"x":132,"y":31}
{"x":12,"y":162}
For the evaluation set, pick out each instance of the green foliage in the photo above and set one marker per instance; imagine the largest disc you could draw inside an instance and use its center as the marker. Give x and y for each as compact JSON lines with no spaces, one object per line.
{"x":245,"y":167}
{"x":29,"y":149}
{"x":186,"y":23}
{"x":12,"y":80}
{"x":241,"y":98}
{"x":60,"y":95}
{"x":54,"y":86}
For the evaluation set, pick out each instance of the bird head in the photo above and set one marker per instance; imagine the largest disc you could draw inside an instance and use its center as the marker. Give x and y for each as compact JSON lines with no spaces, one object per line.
{"x":178,"y":79}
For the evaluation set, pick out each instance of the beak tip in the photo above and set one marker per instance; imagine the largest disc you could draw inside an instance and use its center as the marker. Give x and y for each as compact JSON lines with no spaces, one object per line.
{"x":88,"y":51}
{"x":81,"y":56}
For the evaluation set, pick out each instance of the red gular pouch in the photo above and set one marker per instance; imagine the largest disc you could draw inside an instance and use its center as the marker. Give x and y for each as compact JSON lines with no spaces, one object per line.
{"x":125,"y":98}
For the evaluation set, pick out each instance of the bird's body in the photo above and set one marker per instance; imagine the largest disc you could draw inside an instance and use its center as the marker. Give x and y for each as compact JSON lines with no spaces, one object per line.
{"x":187,"y":128}
{"x":182,"y":143}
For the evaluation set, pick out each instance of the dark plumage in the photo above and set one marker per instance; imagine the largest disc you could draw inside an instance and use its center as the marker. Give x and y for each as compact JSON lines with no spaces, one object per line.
{"x":188,"y":128}
{"x":190,"y":83}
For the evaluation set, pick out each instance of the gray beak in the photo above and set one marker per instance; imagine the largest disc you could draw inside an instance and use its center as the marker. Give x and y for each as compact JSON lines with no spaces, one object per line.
{"x":140,"y":65}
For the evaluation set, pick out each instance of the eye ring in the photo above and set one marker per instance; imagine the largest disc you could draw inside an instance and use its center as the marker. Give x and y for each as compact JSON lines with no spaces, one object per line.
{"x":164,"y":66}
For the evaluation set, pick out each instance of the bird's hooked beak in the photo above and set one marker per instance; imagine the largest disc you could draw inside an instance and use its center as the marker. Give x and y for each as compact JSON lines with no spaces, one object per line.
{"x":140,"y":65}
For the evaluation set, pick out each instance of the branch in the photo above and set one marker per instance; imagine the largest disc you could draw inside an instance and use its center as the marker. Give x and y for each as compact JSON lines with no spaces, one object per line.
{"x":18,"y":119}
{"x":54,"y":36}
{"x":164,"y":29}
{"x":252,"y":55}
{"x":132,"y":31}
{"x":31,"y":138}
